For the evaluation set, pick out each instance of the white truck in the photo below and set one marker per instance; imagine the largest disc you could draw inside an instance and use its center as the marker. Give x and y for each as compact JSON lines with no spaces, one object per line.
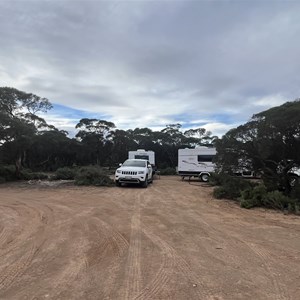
{"x":197,"y":162}
{"x":143,"y":154}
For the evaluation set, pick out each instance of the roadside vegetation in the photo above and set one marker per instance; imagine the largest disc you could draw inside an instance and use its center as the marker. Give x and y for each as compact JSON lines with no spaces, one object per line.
{"x":28,"y":142}
{"x":268,"y":145}
{"x":251,"y":193}
{"x":90,"y":175}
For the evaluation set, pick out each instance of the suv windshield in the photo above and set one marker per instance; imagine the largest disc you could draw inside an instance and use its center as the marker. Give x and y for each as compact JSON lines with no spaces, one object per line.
{"x":134,"y":163}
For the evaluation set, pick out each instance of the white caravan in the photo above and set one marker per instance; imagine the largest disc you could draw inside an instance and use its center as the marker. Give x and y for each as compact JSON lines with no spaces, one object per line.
{"x":196,"y":162}
{"x":143,"y":154}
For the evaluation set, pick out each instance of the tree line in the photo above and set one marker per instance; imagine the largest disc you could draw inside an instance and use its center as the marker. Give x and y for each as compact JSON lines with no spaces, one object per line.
{"x":269,"y":143}
{"x":28,"y":141}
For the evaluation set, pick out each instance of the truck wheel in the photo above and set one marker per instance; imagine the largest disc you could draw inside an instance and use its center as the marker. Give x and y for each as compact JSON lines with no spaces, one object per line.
{"x":118,"y":183}
{"x":204,"y":177}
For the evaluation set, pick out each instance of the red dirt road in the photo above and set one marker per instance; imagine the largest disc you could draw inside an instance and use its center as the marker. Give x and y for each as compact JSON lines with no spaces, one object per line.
{"x":169,"y":241}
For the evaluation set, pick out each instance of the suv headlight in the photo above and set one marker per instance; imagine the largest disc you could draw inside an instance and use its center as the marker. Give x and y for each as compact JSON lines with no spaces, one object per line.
{"x":118,"y":171}
{"x":141,"y":172}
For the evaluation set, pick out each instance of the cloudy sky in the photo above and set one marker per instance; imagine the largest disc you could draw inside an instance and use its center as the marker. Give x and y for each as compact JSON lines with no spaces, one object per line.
{"x":201,"y":63}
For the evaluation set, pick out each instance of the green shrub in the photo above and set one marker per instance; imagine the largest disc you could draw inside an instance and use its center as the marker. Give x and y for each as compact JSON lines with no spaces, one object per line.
{"x":247,"y":203}
{"x":259,"y":196}
{"x":295,"y":192}
{"x":92,"y":176}
{"x":220,"y":193}
{"x":277,"y":200}
{"x":8,"y":172}
{"x":27,"y":174}
{"x":216,"y":179}
{"x":232,"y":187}
{"x":297,"y":209}
{"x":253,"y":196}
{"x":65,"y":173}
{"x":168,"y":171}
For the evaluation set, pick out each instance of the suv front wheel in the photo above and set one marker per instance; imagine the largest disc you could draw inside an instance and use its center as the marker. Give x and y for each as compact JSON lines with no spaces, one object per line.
{"x":145,"y":183}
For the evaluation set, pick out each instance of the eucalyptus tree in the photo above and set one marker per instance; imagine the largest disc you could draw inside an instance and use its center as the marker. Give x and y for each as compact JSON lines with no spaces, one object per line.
{"x":123,"y":142}
{"x":97,"y":136}
{"x":200,"y":137}
{"x":269,"y":143}
{"x":172,"y":138}
{"x":19,"y":123}
{"x":143,"y":137}
{"x":52,"y":149}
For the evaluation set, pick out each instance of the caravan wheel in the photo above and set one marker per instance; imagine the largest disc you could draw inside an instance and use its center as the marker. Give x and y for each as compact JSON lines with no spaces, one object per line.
{"x":204,"y":177}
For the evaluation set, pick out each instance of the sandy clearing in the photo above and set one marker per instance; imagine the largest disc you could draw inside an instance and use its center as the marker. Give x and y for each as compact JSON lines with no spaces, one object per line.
{"x":169,"y":241}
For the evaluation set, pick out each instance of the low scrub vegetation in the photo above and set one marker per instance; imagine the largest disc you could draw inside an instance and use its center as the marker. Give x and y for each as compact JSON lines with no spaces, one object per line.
{"x":89,"y":175}
{"x":168,"y":171}
{"x":92,"y":176}
{"x":229,"y":187}
{"x":254,"y":194}
{"x":65,"y":173}
{"x":8,"y":173}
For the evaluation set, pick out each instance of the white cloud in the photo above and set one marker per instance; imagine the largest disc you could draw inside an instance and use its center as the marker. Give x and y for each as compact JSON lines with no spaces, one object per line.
{"x":270,"y":101}
{"x":149,"y":63}
{"x":218,"y":128}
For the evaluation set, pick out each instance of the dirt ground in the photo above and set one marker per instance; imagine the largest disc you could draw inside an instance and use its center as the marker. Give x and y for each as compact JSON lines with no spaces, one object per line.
{"x":169,"y":241}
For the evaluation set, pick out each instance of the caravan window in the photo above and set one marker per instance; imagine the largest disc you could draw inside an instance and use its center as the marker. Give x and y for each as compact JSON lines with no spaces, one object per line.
{"x":141,"y":157}
{"x":205,"y":158}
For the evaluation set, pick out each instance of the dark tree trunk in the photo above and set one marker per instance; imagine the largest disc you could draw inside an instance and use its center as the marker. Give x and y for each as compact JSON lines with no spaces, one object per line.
{"x":18,"y":164}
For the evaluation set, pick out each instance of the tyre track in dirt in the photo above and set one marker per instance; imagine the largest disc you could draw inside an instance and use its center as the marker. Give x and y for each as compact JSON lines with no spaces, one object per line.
{"x":134,"y":243}
{"x":31,"y":237}
{"x":108,"y":239}
{"x":108,"y":251}
{"x":262,"y":255}
{"x":74,"y":263}
{"x":9,"y":275}
{"x":33,"y":226}
{"x":70,"y":272}
{"x":232,"y":244}
{"x":8,"y":219}
{"x":171,"y":261}
{"x":280,"y":289}
{"x":117,"y":241}
{"x":29,"y":229}
{"x":4,"y":234}
{"x":133,"y":272}
{"x":281,"y":292}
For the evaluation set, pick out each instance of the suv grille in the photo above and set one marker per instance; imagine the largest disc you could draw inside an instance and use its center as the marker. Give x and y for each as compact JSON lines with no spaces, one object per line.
{"x":129,"y":172}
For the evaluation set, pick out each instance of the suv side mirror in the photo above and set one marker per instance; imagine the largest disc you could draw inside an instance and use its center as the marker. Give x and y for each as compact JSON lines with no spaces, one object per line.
{"x":120,"y":164}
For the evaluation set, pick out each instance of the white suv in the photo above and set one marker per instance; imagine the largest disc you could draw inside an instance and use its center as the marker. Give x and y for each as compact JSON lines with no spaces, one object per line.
{"x":137,"y":171}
